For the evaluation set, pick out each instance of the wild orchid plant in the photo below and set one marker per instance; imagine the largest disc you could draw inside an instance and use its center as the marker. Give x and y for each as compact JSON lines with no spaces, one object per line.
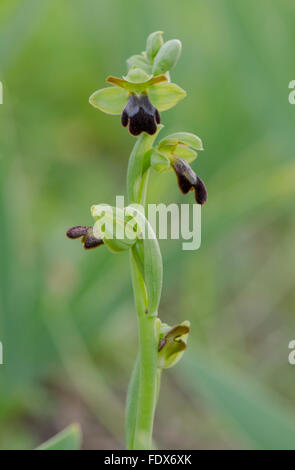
{"x":139,"y":97}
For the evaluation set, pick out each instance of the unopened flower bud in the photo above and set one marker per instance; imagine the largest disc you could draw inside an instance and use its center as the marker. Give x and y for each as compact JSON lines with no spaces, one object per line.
{"x":153,"y":44}
{"x":167,"y":56}
{"x":172,"y":344}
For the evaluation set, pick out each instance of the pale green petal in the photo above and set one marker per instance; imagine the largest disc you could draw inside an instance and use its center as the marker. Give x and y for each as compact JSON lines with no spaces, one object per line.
{"x":137,"y":81}
{"x":165,"y":95}
{"x":137,"y":75}
{"x":110,"y":100}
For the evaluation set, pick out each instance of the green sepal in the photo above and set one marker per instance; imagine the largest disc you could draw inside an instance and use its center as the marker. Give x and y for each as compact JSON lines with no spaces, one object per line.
{"x":182,"y":145}
{"x":185,"y":152}
{"x":159,"y":161}
{"x":110,"y":100}
{"x":186,"y":138}
{"x":165,"y":95}
{"x":178,"y":150}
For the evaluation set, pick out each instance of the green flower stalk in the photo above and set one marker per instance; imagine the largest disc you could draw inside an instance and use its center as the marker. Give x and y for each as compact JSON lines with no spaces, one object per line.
{"x":140,"y":97}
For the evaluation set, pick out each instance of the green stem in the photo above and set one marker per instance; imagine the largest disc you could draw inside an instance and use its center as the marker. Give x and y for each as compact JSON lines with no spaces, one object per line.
{"x":148,"y":383}
{"x":144,"y":385}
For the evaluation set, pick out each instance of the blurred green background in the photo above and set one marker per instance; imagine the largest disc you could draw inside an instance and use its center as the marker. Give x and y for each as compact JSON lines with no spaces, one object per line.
{"x":67,"y":322}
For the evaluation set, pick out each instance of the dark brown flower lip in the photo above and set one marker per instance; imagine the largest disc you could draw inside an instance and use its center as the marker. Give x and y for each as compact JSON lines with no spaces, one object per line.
{"x":201,"y":194}
{"x":189,"y":181}
{"x":141,"y":115}
{"x":88,"y":239}
{"x":77,"y":231}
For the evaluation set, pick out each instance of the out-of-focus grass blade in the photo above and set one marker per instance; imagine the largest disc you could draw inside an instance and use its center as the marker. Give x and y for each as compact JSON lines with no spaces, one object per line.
{"x":131,"y":406}
{"x":68,"y":439}
{"x":260,"y":416}
{"x":19,"y":30}
{"x":88,"y":381}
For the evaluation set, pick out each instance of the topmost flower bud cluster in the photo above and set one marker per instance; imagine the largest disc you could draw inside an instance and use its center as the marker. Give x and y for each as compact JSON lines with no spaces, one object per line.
{"x":146,"y":90}
{"x":159,"y":57}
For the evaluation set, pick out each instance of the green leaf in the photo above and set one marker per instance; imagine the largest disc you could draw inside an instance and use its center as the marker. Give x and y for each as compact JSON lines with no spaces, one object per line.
{"x":250,"y":408}
{"x":110,"y":100}
{"x":167,"y":56}
{"x":153,"y":44}
{"x":68,"y":439}
{"x":165,"y":95}
{"x":150,"y":258}
{"x":186,"y":138}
